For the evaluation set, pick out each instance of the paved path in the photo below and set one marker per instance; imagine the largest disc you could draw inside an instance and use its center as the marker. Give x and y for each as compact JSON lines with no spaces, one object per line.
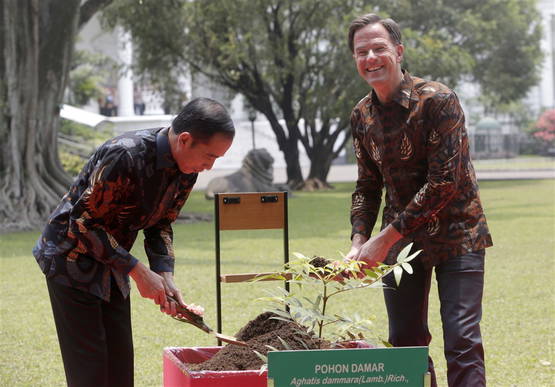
{"x":348,"y":172}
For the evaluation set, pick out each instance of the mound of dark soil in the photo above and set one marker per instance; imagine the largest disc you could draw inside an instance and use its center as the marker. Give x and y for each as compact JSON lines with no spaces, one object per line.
{"x":258,"y":334}
{"x":319,"y":261}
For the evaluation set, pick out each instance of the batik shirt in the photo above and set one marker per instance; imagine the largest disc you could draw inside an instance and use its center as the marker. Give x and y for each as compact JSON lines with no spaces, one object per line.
{"x":416,"y":147}
{"x":131,"y":183}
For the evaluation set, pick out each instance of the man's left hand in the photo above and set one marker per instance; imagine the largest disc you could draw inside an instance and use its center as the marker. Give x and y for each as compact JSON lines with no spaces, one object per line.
{"x":375,"y":250}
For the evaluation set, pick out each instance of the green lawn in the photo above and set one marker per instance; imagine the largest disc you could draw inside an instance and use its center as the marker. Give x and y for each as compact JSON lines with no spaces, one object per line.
{"x":519,"y":304}
{"x":515,"y":164}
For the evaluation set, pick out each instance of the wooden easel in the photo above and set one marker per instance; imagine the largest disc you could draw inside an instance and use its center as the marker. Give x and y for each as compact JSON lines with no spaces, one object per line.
{"x":248,"y":211}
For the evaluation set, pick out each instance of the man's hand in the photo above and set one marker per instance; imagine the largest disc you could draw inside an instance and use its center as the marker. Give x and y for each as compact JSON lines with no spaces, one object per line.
{"x":150,"y":284}
{"x":171,"y":290}
{"x":374,"y":250}
{"x":356,"y":244}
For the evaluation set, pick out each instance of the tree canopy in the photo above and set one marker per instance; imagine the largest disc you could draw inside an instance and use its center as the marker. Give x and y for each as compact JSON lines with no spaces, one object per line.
{"x":289,"y":58}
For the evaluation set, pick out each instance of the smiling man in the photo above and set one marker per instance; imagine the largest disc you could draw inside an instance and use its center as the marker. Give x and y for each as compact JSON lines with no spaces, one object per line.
{"x":409,"y":137}
{"x":137,"y":181}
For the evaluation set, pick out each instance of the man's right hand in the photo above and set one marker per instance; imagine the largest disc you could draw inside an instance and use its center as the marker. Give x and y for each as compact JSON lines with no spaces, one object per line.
{"x":150,"y":284}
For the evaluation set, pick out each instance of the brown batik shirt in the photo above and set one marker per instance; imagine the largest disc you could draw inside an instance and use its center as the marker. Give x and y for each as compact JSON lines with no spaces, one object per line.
{"x":131,"y":183}
{"x":417,"y":148}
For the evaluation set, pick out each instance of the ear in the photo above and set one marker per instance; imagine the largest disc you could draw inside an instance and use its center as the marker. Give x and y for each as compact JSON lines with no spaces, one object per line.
{"x":400,"y":51}
{"x":184,"y":138}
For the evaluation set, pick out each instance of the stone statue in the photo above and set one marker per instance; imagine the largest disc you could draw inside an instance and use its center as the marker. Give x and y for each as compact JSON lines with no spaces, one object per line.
{"x":255,"y":175}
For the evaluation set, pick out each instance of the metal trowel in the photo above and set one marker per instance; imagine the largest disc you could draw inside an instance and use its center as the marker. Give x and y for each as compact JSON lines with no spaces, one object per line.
{"x":197,"y":321}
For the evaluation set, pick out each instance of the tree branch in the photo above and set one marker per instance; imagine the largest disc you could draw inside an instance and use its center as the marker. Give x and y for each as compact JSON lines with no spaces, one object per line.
{"x":89,"y":8}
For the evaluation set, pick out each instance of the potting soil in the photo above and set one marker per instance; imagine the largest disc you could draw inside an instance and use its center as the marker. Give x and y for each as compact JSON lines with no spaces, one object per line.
{"x":260,"y":333}
{"x":263,"y":332}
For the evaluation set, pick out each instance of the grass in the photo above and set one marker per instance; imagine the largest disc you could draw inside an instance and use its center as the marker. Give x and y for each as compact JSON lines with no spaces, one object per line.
{"x":519,"y":300}
{"x":515,"y":164}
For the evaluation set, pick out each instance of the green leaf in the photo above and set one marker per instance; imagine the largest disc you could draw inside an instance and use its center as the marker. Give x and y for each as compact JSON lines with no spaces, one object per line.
{"x":404,"y":253}
{"x":407,"y":267}
{"x":262,"y":357}
{"x":300,"y":256}
{"x":413,"y":256}
{"x":398,"y":272}
{"x":284,"y":343}
{"x":387,"y":344}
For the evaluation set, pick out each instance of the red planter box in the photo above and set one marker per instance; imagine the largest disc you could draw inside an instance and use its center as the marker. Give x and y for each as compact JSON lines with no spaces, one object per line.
{"x":176,"y":373}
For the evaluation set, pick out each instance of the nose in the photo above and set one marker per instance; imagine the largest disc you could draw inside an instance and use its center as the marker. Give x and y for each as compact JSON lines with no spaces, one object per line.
{"x":370,"y":55}
{"x":208,"y":165}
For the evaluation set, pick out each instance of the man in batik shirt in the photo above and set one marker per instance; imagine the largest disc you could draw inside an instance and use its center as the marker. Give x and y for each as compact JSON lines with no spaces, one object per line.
{"x":137,"y":181}
{"x":409,"y":137}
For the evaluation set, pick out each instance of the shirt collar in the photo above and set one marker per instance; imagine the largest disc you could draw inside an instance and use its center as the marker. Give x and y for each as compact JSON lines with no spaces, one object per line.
{"x":164,"y":158}
{"x":403,"y":96}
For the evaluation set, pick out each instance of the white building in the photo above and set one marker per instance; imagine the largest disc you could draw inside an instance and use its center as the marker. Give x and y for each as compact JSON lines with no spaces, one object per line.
{"x":117,"y":45}
{"x":542,"y":96}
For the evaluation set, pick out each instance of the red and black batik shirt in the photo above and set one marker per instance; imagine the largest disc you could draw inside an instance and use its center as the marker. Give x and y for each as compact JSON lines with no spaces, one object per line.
{"x":131,"y":183}
{"x":416,"y":147}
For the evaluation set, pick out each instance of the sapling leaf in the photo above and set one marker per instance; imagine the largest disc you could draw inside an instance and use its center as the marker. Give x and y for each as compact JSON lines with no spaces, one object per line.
{"x":386,"y":344}
{"x":299,"y":255}
{"x":377,"y":284}
{"x":305,"y":345}
{"x":412,"y":256}
{"x":284,"y":343}
{"x":407,"y":267}
{"x":282,"y":319}
{"x":318,"y":301}
{"x":295,"y":302}
{"x":404,"y":253}
{"x":262,"y":357}
{"x":272,"y":348}
{"x":263,"y":368}
{"x":370,"y":273}
{"x":398,"y":272}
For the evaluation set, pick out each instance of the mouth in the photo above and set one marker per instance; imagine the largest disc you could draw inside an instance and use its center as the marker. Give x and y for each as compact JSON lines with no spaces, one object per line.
{"x":373,"y":70}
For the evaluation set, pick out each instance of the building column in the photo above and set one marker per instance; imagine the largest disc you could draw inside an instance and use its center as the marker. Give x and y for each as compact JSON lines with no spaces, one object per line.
{"x":125,"y":81}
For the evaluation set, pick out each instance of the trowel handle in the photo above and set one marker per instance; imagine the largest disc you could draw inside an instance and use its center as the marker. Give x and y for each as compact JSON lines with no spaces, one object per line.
{"x":190,"y":317}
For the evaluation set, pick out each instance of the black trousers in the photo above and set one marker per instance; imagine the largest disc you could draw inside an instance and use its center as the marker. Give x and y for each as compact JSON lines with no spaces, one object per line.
{"x":460,"y":283}
{"x":95,"y":336}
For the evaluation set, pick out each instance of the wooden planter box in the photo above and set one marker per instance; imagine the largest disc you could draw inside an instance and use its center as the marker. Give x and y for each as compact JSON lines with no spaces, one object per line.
{"x":177,"y":374}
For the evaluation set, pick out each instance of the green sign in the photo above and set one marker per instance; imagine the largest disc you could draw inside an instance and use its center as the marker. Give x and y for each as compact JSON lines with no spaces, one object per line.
{"x":401,"y":366}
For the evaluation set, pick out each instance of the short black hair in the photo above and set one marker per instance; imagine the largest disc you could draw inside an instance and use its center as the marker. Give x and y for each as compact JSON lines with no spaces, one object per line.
{"x":371,"y":18}
{"x":203,"y":118}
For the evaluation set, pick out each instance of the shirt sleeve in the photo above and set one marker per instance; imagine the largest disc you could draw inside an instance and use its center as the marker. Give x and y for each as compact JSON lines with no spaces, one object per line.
{"x":444,"y":144}
{"x":105,"y":198}
{"x":159,"y":238}
{"x":366,"y":198}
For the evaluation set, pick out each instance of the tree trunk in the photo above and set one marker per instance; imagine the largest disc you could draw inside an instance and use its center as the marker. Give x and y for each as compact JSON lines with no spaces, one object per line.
{"x":37,"y":42}
{"x":288,"y":144}
{"x":322,"y":153}
{"x":320,"y":164}
{"x":291,"y":155}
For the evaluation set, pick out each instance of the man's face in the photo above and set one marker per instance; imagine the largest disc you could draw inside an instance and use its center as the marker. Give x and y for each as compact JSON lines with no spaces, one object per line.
{"x":378,"y":60}
{"x":194,"y":156}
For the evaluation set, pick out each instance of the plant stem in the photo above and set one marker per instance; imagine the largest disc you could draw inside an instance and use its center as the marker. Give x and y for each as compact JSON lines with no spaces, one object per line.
{"x":324,"y":302}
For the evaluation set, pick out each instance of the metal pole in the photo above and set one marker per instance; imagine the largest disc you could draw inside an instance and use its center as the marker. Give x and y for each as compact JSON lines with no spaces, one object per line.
{"x":285,"y":235}
{"x":252,"y":134}
{"x":218,"y":284}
